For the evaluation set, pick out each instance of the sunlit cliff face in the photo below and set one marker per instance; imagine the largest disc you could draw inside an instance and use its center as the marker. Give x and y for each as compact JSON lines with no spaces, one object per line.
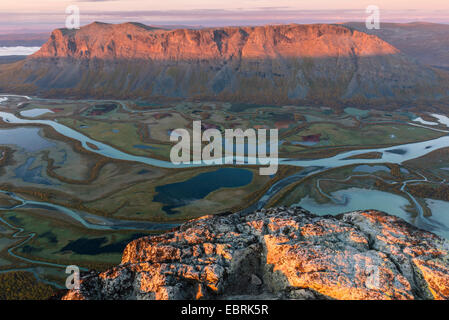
{"x":136,"y":41}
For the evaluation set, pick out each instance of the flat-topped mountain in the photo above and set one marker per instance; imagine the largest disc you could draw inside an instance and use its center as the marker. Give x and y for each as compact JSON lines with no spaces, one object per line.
{"x":267,"y":64}
{"x":137,"y":41}
{"x":282,"y":253}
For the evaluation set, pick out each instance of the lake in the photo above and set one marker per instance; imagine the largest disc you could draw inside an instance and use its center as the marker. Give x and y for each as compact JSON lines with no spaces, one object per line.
{"x":17,"y":51}
{"x":26,"y":138}
{"x":32,"y":113}
{"x":180,"y":194}
{"x":31,"y":175}
{"x":371,"y":169}
{"x":354,"y":199}
{"x":440,"y":216}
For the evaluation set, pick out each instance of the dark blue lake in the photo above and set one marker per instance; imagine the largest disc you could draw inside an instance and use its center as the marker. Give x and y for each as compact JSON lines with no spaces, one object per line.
{"x":179,"y":194}
{"x":144,"y":147}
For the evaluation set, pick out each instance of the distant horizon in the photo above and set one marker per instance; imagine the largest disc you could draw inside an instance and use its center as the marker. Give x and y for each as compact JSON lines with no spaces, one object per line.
{"x":31,"y":16}
{"x":174,"y":25}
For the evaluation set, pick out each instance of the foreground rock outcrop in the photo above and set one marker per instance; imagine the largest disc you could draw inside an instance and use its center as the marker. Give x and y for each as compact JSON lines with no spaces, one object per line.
{"x":284,"y":253}
{"x":265,"y":64}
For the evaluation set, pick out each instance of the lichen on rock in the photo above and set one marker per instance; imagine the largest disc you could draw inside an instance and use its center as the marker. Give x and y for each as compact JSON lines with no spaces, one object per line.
{"x":280,"y":253}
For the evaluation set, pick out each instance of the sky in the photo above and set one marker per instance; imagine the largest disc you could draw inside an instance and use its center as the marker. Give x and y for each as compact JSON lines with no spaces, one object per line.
{"x":45,"y":15}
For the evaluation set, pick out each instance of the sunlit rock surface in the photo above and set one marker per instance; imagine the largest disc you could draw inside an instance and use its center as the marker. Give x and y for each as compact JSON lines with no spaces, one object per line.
{"x":281,"y":253}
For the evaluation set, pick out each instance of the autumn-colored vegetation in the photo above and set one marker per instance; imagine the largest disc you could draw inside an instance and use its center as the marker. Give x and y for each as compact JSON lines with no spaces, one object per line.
{"x":440,"y":192}
{"x":20,"y":285}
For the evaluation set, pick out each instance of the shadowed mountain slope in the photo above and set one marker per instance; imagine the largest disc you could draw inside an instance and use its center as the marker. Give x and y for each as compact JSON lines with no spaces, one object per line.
{"x":426,"y":42}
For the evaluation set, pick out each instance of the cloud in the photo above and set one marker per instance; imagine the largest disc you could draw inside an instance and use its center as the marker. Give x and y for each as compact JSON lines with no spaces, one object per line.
{"x":213,"y":17}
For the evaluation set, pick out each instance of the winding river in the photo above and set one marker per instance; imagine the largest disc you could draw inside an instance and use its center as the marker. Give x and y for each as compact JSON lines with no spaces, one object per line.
{"x":86,"y":219}
{"x":397,"y":154}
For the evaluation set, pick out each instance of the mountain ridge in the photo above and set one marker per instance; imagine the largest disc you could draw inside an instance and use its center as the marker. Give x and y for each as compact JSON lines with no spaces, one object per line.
{"x":263,"y":64}
{"x":99,"y":40}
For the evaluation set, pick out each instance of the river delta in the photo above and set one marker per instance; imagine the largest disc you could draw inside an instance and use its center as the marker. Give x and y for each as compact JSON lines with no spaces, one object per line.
{"x":81,"y":178}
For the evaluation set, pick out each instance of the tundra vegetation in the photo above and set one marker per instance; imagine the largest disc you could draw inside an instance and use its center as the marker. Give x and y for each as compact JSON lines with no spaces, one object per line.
{"x":58,"y":170}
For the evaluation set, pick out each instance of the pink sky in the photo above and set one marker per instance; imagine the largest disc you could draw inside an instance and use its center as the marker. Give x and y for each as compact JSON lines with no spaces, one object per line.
{"x":44,"y":15}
